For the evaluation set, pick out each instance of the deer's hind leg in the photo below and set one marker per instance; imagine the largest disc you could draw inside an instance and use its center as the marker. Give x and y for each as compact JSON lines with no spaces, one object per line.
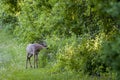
{"x":36,"y":60}
{"x":28,"y":59}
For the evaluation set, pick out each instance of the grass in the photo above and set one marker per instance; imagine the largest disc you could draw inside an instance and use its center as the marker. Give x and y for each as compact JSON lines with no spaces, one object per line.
{"x":12,"y":64}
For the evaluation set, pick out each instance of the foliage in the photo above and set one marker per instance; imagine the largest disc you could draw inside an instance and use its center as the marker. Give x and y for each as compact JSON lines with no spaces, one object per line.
{"x":8,"y":17}
{"x":111,"y":53}
{"x":81,"y":54}
{"x":12,"y":64}
{"x":80,"y":34}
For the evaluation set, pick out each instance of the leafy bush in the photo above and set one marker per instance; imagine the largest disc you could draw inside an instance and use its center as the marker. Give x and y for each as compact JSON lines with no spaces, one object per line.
{"x":111,"y":52}
{"x":8,"y":18}
{"x":8,"y":22}
{"x":62,"y":18}
{"x":81,"y":54}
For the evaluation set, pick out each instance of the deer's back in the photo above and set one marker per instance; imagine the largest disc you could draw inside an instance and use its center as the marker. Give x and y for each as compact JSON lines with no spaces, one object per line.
{"x":33,"y":48}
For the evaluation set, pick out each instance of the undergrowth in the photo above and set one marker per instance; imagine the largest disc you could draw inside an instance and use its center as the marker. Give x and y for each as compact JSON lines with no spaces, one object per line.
{"x":12,"y":64}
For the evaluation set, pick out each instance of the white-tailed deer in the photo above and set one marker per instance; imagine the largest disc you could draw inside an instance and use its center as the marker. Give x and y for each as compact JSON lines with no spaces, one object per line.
{"x":33,"y":50}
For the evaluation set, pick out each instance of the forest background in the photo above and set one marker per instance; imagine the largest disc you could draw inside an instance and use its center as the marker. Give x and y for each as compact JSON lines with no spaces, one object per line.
{"x":83,"y":37}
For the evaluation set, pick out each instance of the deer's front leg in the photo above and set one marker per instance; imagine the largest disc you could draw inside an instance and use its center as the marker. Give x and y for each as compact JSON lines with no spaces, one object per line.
{"x":30,"y":63}
{"x":37,"y":60}
{"x":34,"y":60}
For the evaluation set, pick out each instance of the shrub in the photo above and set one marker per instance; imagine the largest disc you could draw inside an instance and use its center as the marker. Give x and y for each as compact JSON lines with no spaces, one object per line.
{"x":81,"y":54}
{"x":111,"y":52}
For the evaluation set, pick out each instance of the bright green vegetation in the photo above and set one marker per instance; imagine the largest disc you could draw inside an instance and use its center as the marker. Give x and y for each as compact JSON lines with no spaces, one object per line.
{"x":12,"y":65}
{"x":83,"y":37}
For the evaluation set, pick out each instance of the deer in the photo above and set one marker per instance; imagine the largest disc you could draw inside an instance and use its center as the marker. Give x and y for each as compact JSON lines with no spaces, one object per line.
{"x":33,"y":50}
